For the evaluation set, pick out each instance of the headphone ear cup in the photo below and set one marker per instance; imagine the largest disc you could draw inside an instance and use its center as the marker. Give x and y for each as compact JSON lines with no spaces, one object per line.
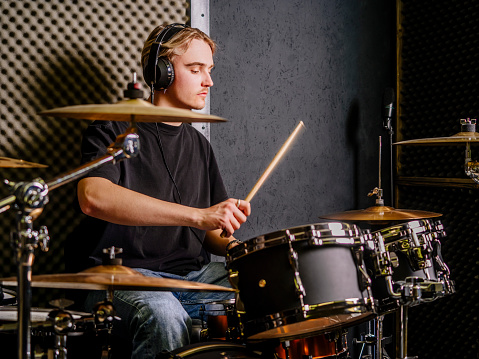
{"x":165,"y":74}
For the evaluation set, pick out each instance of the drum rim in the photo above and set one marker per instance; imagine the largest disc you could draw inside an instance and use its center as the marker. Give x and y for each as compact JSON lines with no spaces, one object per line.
{"x":399,"y":232}
{"x":306,"y":233}
{"x":202,"y":346}
{"x":426,"y":223}
{"x":360,"y":306}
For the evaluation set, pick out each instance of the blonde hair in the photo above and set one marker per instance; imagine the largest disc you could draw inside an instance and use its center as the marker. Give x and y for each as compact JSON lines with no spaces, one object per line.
{"x":177,"y":45}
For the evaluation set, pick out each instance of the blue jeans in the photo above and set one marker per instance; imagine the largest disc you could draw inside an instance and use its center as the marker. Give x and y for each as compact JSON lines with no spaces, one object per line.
{"x":158,"y":320}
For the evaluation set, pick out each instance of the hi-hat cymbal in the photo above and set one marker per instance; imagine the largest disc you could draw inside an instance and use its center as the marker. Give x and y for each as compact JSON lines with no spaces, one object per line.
{"x":115,"y":277}
{"x":380,"y":214}
{"x":6,"y":162}
{"x":457,"y":139}
{"x":139,"y":110}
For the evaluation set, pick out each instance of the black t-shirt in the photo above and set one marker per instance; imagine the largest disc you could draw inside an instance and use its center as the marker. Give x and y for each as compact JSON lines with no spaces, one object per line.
{"x":193,"y":180}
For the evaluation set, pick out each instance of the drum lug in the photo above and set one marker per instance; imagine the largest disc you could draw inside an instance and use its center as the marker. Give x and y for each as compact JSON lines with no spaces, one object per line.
{"x":233,"y":278}
{"x":293,"y":261}
{"x":443,"y":270}
{"x":419,"y":254}
{"x":383,"y":260}
{"x":364,"y":280}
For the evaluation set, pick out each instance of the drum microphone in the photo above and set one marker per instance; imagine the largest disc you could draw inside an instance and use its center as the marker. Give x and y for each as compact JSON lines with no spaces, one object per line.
{"x":388,"y":106}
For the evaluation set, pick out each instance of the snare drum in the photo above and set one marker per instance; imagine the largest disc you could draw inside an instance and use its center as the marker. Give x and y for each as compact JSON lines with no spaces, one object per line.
{"x":411,"y":260}
{"x":300,"y":281}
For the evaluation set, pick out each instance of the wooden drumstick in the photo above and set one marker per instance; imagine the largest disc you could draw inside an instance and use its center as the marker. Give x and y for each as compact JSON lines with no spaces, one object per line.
{"x":274,"y":162}
{"x":272,"y":165}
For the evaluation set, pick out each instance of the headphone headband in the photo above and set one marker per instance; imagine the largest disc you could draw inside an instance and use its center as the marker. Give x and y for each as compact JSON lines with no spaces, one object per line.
{"x":158,"y":72}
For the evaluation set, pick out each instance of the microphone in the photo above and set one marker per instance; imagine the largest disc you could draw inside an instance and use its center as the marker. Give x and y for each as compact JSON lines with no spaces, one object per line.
{"x":388,"y":106}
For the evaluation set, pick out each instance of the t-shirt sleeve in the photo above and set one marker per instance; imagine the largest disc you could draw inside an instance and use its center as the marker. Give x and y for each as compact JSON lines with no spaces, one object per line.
{"x":96,"y":139}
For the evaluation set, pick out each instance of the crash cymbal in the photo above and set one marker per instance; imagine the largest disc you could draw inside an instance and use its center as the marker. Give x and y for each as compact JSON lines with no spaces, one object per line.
{"x":457,"y":139}
{"x":140,"y":110}
{"x":380,"y":214}
{"x":6,"y":162}
{"x":115,"y":277}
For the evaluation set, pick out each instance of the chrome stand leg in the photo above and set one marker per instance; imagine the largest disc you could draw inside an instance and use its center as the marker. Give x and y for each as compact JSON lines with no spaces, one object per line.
{"x":401,"y":333}
{"x":379,"y":336}
{"x":373,"y":340}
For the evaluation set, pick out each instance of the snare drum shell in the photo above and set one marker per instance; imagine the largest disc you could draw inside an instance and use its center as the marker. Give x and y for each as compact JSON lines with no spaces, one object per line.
{"x":266,"y":280}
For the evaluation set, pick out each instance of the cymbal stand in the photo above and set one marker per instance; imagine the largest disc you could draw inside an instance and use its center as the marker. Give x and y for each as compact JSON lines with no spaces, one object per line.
{"x":378,"y":191}
{"x":374,"y":339}
{"x":389,"y":127}
{"x":401,"y":338}
{"x":62,"y":322}
{"x":29,"y":199}
{"x":470,"y":167}
{"x":383,"y":268}
{"x":24,"y":241}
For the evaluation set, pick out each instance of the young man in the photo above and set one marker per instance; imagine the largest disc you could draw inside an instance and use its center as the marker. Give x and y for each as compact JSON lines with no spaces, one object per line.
{"x":167,"y":207}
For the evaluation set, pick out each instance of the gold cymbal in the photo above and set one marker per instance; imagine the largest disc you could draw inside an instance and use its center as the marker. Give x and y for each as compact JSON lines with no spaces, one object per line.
{"x":115,"y":277}
{"x":457,"y":139}
{"x":139,"y":110}
{"x":6,"y":162}
{"x":381,"y":214}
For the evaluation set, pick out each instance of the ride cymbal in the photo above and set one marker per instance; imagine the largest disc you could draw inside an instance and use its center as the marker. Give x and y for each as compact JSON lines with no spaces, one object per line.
{"x":457,"y":139}
{"x":380,"y":214}
{"x":128,"y":110}
{"x":6,"y":162}
{"x":115,"y":277}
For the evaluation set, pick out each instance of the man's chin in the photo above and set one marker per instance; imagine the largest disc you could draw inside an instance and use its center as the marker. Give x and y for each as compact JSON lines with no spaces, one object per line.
{"x":199,"y":107}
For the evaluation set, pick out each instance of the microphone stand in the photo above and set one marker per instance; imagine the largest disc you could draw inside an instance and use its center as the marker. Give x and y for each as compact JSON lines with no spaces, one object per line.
{"x":388,"y":126}
{"x":29,"y":199}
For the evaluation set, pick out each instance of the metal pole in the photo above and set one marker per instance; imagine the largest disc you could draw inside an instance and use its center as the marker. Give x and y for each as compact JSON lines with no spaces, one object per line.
{"x":391,"y":166}
{"x":379,"y":337}
{"x":199,"y":14}
{"x":25,"y":257}
{"x":401,"y":333}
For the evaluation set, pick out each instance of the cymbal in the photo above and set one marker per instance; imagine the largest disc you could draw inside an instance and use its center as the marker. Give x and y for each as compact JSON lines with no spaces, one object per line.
{"x":6,"y":162}
{"x":139,"y":110}
{"x":115,"y":277}
{"x":458,"y":138}
{"x":381,"y":213}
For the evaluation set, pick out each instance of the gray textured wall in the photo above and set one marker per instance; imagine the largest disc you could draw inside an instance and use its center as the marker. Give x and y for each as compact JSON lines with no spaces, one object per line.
{"x":326,"y":63}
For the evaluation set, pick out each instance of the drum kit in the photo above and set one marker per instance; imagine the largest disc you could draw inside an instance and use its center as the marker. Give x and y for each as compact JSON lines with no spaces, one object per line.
{"x":326,"y":277}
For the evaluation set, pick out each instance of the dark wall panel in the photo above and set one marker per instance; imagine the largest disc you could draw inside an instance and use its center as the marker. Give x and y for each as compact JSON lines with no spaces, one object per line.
{"x":439,"y":76}
{"x":326,"y":63}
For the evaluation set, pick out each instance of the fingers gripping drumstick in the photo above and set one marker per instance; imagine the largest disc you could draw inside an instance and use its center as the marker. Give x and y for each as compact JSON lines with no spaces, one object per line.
{"x":272,"y":165}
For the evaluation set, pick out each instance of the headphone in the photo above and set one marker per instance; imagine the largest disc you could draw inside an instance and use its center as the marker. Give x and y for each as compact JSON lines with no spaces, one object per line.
{"x":158,"y":72}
